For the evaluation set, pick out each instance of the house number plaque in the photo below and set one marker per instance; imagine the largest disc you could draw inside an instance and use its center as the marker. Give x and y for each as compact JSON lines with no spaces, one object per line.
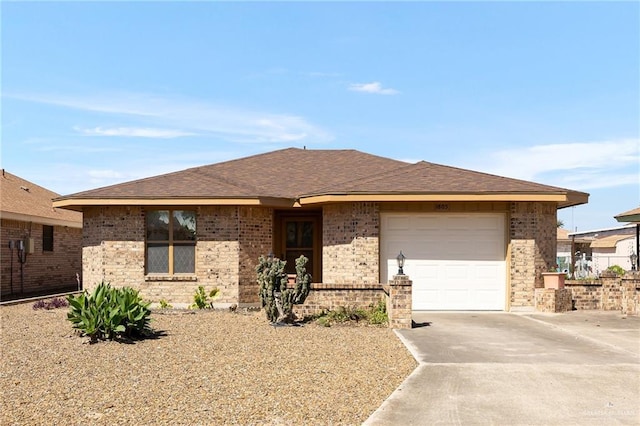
{"x":442,"y":206}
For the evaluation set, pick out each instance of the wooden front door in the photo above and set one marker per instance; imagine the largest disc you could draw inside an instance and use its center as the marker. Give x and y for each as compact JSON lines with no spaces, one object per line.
{"x":300,"y":234}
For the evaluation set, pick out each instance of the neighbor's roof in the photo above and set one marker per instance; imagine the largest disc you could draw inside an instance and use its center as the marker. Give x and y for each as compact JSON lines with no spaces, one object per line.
{"x":25,"y":201}
{"x":609,"y":242}
{"x":295,"y":177}
{"x":562,"y":235}
{"x":630,"y":216}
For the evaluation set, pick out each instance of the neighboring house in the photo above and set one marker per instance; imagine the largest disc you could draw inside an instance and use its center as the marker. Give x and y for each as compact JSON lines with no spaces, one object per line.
{"x":472,"y":240}
{"x":606,"y":247}
{"x":612,"y":250}
{"x":576,"y":250}
{"x":41,"y":245}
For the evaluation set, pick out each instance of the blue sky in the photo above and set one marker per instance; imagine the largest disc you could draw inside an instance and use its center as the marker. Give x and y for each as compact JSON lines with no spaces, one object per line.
{"x":100,"y":93}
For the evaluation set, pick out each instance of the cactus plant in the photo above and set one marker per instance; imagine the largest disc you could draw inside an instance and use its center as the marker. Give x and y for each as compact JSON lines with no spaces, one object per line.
{"x":275,"y":297}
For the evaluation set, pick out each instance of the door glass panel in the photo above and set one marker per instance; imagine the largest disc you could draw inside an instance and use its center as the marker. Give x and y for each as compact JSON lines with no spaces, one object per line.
{"x":292,"y":234}
{"x":306,"y":237}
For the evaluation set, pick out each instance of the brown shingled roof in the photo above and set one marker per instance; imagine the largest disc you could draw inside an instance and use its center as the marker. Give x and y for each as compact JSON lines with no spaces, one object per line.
{"x":424,"y":177}
{"x":285,"y":173}
{"x":293,"y":174}
{"x":24,"y":200}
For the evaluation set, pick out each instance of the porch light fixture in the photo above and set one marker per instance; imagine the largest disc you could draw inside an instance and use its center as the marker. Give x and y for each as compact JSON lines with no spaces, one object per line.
{"x":401,"y":257}
{"x":634,"y":261}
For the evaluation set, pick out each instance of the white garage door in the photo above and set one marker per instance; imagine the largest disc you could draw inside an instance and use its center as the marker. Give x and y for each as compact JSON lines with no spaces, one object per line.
{"x":456,"y":261}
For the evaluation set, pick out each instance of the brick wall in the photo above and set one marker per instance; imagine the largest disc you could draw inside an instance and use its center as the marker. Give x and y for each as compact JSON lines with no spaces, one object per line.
{"x":256,"y":231}
{"x":113,"y":246}
{"x":611,"y":292}
{"x":630,"y":300}
{"x":532,"y":232}
{"x":331,"y":296}
{"x":350,"y":250}
{"x":216,"y":254}
{"x":44,"y":271}
{"x":585,"y":295}
{"x":229,"y":241}
{"x":553,"y":300}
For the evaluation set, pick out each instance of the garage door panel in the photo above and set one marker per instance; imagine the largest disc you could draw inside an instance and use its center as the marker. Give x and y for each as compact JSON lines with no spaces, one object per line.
{"x":456,"y":262}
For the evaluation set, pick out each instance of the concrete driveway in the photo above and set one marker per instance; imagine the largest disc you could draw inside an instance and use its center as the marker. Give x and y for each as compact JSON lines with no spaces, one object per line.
{"x":577,"y":368}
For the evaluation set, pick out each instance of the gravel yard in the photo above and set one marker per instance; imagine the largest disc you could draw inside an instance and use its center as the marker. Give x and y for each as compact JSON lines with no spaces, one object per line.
{"x":206,"y":367}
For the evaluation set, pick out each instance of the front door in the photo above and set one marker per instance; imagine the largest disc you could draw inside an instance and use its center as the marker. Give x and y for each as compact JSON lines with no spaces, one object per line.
{"x":299,"y":234}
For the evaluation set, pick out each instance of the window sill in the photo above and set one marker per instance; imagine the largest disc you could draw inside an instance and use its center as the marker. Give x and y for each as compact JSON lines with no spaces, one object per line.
{"x":186,"y":277}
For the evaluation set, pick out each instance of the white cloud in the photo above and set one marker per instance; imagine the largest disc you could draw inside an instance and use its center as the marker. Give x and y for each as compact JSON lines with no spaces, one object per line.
{"x":192,"y":116}
{"x":139,"y":132}
{"x":580,"y":165}
{"x":374,"y":87}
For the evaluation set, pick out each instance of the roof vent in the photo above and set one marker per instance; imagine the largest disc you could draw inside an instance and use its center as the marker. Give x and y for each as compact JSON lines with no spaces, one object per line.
{"x":24,"y":188}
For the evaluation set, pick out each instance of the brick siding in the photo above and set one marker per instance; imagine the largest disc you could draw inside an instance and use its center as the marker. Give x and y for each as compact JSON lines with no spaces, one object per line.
{"x":229,"y":241}
{"x":350,"y":243}
{"x":44,"y":271}
{"x":532,"y":232}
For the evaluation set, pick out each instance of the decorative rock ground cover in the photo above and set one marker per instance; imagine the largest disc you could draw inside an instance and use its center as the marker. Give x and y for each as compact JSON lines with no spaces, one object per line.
{"x":205,"y":367}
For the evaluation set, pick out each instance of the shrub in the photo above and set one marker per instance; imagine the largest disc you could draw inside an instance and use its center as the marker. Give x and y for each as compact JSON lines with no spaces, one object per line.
{"x":378,"y":313}
{"x":56,"y":302}
{"x":617,"y":269}
{"x":276,"y":299}
{"x":375,"y":315}
{"x":202,"y":300}
{"x":109,"y":313}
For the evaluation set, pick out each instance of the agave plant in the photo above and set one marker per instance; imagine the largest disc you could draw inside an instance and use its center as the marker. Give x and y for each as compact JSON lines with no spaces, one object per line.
{"x":109,"y":312}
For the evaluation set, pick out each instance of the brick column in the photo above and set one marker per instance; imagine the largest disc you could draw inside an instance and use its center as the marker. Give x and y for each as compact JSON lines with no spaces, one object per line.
{"x":631,"y":293}
{"x":553,"y":300}
{"x":399,"y":302}
{"x":611,"y":294}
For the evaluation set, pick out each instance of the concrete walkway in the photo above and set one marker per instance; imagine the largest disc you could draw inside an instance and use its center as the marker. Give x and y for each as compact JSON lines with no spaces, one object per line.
{"x":577,"y":368}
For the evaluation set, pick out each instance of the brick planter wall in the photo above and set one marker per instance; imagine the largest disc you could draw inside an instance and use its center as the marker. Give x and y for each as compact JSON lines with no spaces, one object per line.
{"x":399,"y":301}
{"x":586,"y":295}
{"x":326,"y":297}
{"x":553,"y":300}
{"x":630,"y":299}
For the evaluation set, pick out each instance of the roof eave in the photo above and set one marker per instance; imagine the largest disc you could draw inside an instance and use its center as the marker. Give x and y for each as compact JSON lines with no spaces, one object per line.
{"x":78,"y":204}
{"x":40,"y":219}
{"x":632,"y":218}
{"x":563,"y":199}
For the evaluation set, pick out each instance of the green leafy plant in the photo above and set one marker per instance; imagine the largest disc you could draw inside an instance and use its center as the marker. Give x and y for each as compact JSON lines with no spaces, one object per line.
{"x":276,"y":297}
{"x":164,"y":304}
{"x":109,"y":313}
{"x":617,"y":269}
{"x":204,"y":300}
{"x":376,"y":314}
